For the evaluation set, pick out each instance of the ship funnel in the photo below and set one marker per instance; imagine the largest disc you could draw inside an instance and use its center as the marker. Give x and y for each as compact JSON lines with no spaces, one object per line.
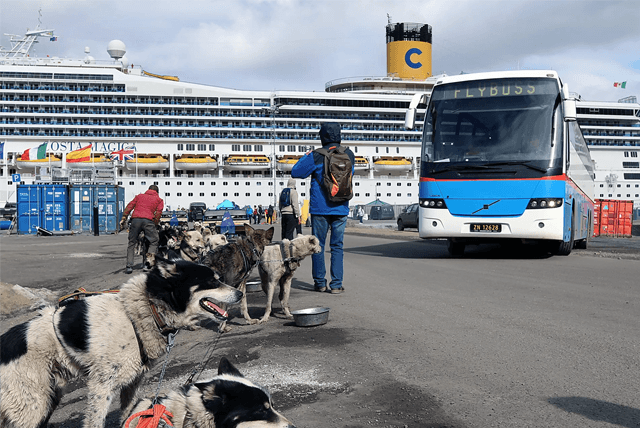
{"x":409,"y":51}
{"x":116,"y":49}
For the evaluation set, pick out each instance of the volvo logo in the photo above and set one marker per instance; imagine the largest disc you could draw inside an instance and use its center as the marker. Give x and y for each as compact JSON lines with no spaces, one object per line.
{"x":486,"y":206}
{"x":407,"y":58}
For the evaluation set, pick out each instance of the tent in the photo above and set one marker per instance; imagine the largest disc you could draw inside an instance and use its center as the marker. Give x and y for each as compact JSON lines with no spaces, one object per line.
{"x":376,"y":202}
{"x":226,"y":205}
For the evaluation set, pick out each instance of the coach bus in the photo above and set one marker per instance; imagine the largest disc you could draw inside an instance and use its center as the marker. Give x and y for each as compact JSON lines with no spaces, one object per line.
{"x":503,"y":158}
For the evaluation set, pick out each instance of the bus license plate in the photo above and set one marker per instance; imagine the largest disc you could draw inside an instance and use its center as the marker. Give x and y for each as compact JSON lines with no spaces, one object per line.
{"x":486,"y":227}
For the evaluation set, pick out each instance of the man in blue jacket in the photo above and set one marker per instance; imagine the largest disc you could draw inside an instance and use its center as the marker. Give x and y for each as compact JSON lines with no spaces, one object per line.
{"x":325,"y":215}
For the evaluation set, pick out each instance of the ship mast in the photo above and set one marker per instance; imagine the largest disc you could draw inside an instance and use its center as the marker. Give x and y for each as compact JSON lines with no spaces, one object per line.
{"x":21,"y":45}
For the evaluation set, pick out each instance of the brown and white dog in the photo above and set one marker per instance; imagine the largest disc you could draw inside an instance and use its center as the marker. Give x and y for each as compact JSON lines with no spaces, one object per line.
{"x":228,"y":400}
{"x":110,"y":338}
{"x":277,"y":266}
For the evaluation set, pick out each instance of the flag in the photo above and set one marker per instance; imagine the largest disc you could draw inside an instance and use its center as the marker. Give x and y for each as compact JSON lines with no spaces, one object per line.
{"x":2,"y":150}
{"x":123,"y":154}
{"x":81,"y":155}
{"x":620,"y":85}
{"x":35,"y":153}
{"x":53,"y":39}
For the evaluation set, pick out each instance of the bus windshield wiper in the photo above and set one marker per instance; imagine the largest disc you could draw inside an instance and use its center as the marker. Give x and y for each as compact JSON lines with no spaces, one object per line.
{"x":464,"y":168}
{"x":523,"y":163}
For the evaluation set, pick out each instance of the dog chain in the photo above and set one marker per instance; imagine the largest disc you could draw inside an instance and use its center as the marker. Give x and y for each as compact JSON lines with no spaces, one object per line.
{"x":170,"y":343}
{"x":208,"y":356}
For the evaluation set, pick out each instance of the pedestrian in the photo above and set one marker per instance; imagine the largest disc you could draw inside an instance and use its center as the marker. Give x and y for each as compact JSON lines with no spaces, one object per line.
{"x":255,"y":214}
{"x":289,"y":209}
{"x":249,"y":212}
{"x":145,"y":209}
{"x":260,"y":214}
{"x":325,"y":213}
{"x":360,"y":213}
{"x":270,"y":214}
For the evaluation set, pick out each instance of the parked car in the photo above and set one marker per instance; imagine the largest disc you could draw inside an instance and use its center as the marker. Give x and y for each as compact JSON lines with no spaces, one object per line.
{"x":382,"y":212}
{"x":408,"y":217}
{"x":8,"y":211}
{"x":196,"y":211}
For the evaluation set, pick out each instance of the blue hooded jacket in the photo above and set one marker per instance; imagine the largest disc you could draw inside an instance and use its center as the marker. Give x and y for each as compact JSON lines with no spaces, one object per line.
{"x":312,"y":164}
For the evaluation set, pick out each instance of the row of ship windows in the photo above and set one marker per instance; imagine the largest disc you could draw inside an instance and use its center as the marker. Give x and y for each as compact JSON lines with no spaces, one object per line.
{"x":280,"y":127}
{"x":248,"y":183}
{"x":620,"y":185}
{"x":617,"y":143}
{"x":55,"y":76}
{"x":619,"y":195}
{"x":237,"y":194}
{"x":251,"y":114}
{"x":631,"y":154}
{"x":195,"y":134}
{"x":611,"y":133}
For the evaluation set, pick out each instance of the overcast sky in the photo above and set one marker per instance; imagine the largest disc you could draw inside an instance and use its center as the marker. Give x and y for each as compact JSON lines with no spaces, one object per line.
{"x":303,"y":44}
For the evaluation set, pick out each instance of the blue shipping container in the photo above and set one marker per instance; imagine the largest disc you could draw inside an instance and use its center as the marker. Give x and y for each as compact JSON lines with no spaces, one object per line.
{"x":42,"y":205}
{"x":107,"y":197}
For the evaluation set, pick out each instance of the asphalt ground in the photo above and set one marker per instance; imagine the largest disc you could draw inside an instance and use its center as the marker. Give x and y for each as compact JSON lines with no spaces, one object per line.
{"x":332,"y":375}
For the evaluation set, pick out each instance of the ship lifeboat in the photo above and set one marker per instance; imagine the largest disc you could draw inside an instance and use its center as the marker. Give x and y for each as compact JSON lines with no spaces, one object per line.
{"x":196,"y":163}
{"x":362,"y":163}
{"x":286,"y":163}
{"x":96,"y":161}
{"x":147,"y":161}
{"x":50,"y":160}
{"x":247,"y":163}
{"x":392,"y":164}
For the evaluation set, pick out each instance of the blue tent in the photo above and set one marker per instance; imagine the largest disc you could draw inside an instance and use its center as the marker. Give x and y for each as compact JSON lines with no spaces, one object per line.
{"x":226,"y":205}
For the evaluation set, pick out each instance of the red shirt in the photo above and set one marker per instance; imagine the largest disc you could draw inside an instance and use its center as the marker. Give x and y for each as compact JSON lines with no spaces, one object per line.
{"x":146,"y":205}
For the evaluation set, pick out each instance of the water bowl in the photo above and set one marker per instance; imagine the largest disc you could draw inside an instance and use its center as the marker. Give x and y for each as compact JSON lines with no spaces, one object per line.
{"x":311,"y":317}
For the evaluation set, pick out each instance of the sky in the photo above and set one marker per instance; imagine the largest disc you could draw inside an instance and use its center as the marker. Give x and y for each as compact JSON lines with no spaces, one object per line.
{"x":303,"y":44}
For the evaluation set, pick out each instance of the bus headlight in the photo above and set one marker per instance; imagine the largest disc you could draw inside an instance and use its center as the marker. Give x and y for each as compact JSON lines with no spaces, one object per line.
{"x":432,"y":203}
{"x":544,"y":203}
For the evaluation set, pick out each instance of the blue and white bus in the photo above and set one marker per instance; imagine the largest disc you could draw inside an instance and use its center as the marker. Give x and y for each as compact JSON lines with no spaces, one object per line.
{"x":503,"y":158}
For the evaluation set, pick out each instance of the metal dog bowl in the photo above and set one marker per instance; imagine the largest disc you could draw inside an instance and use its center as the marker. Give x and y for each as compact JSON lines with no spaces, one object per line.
{"x":254,"y":286}
{"x":310,"y":317}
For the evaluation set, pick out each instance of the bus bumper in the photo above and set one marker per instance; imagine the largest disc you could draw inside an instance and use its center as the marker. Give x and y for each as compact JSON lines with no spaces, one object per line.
{"x":533,"y":224}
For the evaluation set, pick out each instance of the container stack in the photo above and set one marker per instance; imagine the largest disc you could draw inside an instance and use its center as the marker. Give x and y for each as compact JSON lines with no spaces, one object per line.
{"x":613,"y":218}
{"x":59,"y":207}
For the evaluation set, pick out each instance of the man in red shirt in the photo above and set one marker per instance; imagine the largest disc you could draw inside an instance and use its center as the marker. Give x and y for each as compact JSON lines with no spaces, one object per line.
{"x":147,"y":209}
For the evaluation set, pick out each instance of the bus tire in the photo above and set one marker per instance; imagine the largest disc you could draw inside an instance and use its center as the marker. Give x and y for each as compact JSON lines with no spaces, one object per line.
{"x":456,"y":249}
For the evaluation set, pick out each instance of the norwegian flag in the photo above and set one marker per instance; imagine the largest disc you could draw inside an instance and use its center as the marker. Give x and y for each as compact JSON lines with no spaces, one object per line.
{"x":123,"y":154}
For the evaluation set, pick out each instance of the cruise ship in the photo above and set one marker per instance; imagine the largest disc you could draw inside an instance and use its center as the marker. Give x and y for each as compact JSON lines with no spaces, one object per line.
{"x":209,"y":144}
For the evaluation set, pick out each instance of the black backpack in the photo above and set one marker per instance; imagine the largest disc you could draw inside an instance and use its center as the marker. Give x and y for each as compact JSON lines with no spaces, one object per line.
{"x":285,"y":197}
{"x":337,"y":174}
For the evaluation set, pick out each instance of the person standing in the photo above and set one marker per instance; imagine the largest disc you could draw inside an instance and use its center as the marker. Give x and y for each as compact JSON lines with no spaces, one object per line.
{"x":270,"y":214}
{"x":326,"y":215}
{"x":147,"y":210}
{"x":255,"y":214}
{"x":249,"y":212}
{"x":290,"y":213}
{"x":360,"y":213}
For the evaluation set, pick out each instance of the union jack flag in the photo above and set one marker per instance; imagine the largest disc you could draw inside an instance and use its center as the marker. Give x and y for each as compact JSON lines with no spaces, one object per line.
{"x":123,"y":154}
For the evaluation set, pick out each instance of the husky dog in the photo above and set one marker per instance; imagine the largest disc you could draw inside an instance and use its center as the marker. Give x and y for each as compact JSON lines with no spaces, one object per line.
{"x":228,"y":400}
{"x":234,"y":262}
{"x":213,"y":240}
{"x":277,"y":265}
{"x":191,"y":245}
{"x":111,"y":338}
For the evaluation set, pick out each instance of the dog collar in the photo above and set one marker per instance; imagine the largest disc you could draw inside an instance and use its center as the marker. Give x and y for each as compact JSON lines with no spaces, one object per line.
{"x":165,"y":330}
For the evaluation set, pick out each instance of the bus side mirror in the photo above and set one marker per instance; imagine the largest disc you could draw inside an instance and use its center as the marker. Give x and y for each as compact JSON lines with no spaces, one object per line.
{"x":569,"y":105}
{"x":410,"y":118}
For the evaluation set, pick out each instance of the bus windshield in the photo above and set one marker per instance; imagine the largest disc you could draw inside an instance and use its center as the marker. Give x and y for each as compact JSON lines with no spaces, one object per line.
{"x":489,"y":125}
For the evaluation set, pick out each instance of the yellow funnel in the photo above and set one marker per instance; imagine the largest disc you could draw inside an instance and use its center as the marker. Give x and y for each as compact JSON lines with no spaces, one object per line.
{"x":409,"y":51}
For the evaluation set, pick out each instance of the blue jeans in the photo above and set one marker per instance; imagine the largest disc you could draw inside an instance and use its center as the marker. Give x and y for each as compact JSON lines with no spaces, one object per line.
{"x":320,"y":225}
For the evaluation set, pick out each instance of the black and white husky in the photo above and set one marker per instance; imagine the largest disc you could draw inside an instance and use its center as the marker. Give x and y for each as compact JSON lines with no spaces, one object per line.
{"x":228,"y":400}
{"x":110,"y":338}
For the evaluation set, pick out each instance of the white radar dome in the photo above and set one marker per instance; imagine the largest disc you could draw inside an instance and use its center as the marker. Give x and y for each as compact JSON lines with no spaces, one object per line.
{"x":125,"y":62}
{"x":116,"y":49}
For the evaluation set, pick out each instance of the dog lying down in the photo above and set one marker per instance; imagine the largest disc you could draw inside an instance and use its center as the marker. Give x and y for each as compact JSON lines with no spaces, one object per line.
{"x":112,"y":338}
{"x":277,"y":266}
{"x":228,"y":400}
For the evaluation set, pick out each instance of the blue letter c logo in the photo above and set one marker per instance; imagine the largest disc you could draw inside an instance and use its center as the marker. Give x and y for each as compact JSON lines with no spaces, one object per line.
{"x":407,"y":58}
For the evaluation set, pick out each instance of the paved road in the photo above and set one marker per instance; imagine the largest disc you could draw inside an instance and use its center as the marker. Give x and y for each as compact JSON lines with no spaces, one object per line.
{"x":501,"y":337}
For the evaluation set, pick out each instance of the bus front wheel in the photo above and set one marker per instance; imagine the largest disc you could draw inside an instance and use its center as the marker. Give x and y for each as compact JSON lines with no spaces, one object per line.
{"x":564,"y":248}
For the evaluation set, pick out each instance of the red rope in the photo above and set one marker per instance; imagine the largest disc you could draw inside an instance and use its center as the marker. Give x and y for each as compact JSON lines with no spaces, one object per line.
{"x":151,"y":417}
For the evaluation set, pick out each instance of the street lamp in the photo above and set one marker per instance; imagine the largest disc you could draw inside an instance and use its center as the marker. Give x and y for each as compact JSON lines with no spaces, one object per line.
{"x":273,"y":109}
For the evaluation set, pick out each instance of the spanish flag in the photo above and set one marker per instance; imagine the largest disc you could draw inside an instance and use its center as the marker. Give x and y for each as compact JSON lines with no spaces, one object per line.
{"x":80,"y":155}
